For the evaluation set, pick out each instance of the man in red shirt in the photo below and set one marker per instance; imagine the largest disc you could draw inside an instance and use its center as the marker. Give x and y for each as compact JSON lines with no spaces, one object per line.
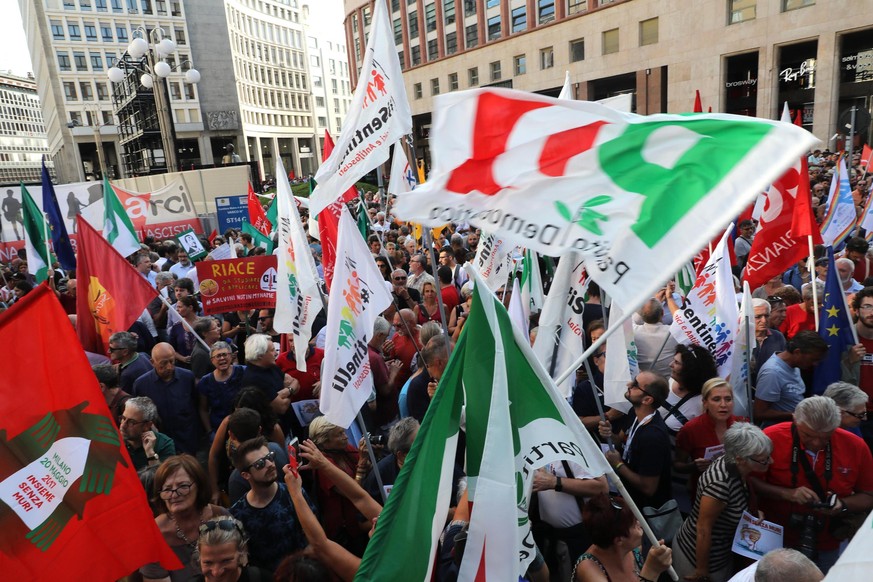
{"x":287,"y":362}
{"x":404,"y":344}
{"x":858,"y":360}
{"x":802,"y":316}
{"x":813,"y":460}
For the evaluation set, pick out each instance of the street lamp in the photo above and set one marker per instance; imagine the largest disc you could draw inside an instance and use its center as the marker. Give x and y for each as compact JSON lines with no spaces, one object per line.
{"x":159,"y":47}
{"x":94,"y":108}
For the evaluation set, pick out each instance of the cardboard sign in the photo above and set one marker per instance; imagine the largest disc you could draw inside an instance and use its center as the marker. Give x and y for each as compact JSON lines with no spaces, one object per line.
{"x":191,"y":245}
{"x":753,"y":539}
{"x":237,"y":284}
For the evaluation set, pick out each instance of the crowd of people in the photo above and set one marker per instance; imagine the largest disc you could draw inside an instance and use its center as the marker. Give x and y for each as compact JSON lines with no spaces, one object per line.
{"x":244,"y":486}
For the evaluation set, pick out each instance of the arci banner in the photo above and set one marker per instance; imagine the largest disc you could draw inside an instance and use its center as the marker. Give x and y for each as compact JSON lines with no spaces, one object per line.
{"x":298,"y":298}
{"x":709,"y":317}
{"x":379,"y":116}
{"x":493,"y":261}
{"x":635,"y":195}
{"x":357,"y":297}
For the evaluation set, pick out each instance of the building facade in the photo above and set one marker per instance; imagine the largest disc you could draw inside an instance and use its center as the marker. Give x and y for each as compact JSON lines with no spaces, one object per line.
{"x":744,"y":56}
{"x":22,"y":132}
{"x":331,"y":86}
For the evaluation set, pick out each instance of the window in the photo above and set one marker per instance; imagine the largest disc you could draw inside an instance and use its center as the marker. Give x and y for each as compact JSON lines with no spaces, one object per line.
{"x":610,"y":41}
{"x":520,"y":64}
{"x":451,"y":43}
{"x":449,"y":11}
{"x":413,"y":24}
{"x":106,"y":32}
{"x":80,"y":62}
{"x":416,"y":91}
{"x":70,"y":91}
{"x":121,"y":34}
{"x":577,"y":50}
{"x":395,"y":5}
{"x":473,"y":77}
{"x":180,"y":35}
{"x":649,"y":31}
{"x":547,"y":58}
{"x":100,"y":5}
{"x":116,"y":6}
{"x":111,"y":59}
{"x":430,"y":17}
{"x":577,"y":6}
{"x":102,"y":91}
{"x":546,"y":9}
{"x":471,"y":36}
{"x":492,"y":3}
{"x":494,"y":28}
{"x":91,"y":32}
{"x":469,"y":7}
{"x":401,"y":57}
{"x":75,"y":33}
{"x":495,"y":70}
{"x":453,"y":81}
{"x":87,"y":92}
{"x":398,"y":31}
{"x":96,"y":62}
{"x":322,"y":121}
{"x":519,"y":19}
{"x":434,"y":86}
{"x":741,"y":10}
{"x":69,"y":5}
{"x":415,"y":53}
{"x":319,"y":101}
{"x":64,"y":61}
{"x":433,"y":50}
{"x":85,"y":4}
{"x":58,"y":30}
{"x":795,"y":4}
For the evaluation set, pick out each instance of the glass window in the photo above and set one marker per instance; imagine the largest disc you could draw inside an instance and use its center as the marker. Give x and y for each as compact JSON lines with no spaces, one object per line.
{"x":577,"y":6}
{"x":577,"y":50}
{"x":610,"y":41}
{"x":85,"y":4}
{"x":87,"y":92}
{"x":180,"y":35}
{"x":430,"y":17}
{"x":519,"y":19}
{"x":434,"y":86}
{"x":520,"y":64}
{"x":111,"y":59}
{"x":106,"y":32}
{"x":64,"y":61}
{"x":492,"y":3}
{"x":413,"y":24}
{"x":471,"y":37}
{"x":473,"y":77}
{"x":90,"y":32}
{"x":121,"y":34}
{"x":453,"y":81}
{"x":395,"y":5}
{"x":75,"y":33}
{"x":58,"y":30}
{"x":96,"y":62}
{"x":547,"y":58}
{"x":741,"y":10}
{"x":416,"y":91}
{"x":102,"y":91}
{"x":546,"y":10}
{"x":70,"y":91}
{"x":449,"y":11}
{"x":649,"y":32}
{"x":116,"y":6}
{"x":469,"y":7}
{"x":494,"y":28}
{"x":79,"y":60}
{"x":433,"y":50}
{"x":495,"y":70}
{"x":402,"y":58}
{"x":100,"y":5}
{"x":69,"y":5}
{"x":451,"y":43}
{"x":795,"y":4}
{"x":398,"y":31}
{"x":415,"y":54}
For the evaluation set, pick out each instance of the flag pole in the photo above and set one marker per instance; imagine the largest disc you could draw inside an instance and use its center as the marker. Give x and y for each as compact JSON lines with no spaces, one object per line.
{"x":593,"y":347}
{"x":372,"y":456}
{"x":812,"y":280}
{"x":185,"y":324}
{"x":748,"y":357}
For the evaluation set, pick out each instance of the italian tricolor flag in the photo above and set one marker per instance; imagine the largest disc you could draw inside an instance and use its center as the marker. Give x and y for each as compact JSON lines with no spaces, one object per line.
{"x":36,"y":236}
{"x":117,"y":226}
{"x":515,"y":422}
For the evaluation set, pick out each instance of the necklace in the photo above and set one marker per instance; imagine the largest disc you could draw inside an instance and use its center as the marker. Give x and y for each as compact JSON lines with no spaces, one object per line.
{"x":181,"y":535}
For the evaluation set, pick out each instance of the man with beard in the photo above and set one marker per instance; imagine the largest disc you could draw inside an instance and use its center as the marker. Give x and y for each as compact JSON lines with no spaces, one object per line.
{"x":266,"y":510}
{"x":858,"y":360}
{"x":147,"y":447}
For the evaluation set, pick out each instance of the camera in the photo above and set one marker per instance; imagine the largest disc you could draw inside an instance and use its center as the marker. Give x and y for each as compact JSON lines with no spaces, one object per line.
{"x":377,"y":439}
{"x":808,"y":525}
{"x":828,"y":502}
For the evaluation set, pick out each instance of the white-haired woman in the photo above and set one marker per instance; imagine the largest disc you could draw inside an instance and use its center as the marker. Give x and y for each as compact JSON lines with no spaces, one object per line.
{"x":852,"y":402}
{"x":222,"y":552}
{"x":702,"y":548}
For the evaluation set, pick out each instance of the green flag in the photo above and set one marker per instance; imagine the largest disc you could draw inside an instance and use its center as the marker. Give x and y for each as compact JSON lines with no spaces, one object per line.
{"x":36,"y":234}
{"x":257,"y":237}
{"x":273,"y":214}
{"x":362,"y":220}
{"x":117,"y":226}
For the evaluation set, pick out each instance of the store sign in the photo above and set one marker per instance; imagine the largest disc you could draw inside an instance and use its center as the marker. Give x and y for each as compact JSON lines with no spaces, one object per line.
{"x":794,"y":74}
{"x":742,"y":83}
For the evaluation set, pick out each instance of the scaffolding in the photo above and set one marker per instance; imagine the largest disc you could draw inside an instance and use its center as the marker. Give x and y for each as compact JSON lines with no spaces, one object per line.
{"x":138,"y":127}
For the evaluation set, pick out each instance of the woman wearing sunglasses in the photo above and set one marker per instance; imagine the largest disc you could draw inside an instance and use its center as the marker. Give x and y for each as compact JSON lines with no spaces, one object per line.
{"x":222,"y":552}
{"x":615,"y":555}
{"x":183,"y":488}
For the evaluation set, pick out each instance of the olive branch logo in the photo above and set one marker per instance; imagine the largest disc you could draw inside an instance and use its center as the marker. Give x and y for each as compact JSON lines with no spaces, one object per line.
{"x":586,"y":217}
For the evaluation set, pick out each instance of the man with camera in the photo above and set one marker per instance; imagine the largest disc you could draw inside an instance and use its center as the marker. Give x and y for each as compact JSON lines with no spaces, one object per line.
{"x":819,"y":477}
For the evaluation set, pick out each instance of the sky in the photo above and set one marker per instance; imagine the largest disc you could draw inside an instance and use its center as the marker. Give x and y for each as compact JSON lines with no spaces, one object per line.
{"x":14,"y":56}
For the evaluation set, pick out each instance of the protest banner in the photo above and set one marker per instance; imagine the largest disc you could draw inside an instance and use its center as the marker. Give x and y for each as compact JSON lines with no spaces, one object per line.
{"x":237,"y":284}
{"x":191,"y":245}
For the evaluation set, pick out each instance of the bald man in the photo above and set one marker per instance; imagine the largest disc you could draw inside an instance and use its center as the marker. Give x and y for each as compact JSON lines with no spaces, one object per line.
{"x":173,"y":391}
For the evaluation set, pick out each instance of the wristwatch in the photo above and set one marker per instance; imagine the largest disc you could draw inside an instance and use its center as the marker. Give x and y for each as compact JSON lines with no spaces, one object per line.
{"x":153,"y":457}
{"x":558,"y":485}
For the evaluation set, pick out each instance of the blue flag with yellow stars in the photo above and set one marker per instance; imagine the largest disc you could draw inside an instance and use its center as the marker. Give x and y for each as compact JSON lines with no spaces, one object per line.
{"x":60,"y":241}
{"x":835,"y":327}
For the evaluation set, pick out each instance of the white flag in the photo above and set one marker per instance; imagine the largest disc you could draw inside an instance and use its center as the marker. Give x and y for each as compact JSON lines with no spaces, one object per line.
{"x":402,"y":177}
{"x":743,"y":353}
{"x":378,"y":117}
{"x":493,"y":261}
{"x":298,"y":298}
{"x":709,"y":317}
{"x":567,"y":89}
{"x":357,"y":296}
{"x":622,"y":362}
{"x":517,"y":313}
{"x":561,"y":332}
{"x":840,"y":218}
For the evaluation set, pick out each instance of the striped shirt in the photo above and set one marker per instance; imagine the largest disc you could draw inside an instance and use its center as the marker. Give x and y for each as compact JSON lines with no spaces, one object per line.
{"x":722,"y":482}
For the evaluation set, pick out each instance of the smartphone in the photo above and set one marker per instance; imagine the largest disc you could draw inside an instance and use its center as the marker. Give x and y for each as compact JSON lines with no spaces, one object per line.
{"x":292,"y":455}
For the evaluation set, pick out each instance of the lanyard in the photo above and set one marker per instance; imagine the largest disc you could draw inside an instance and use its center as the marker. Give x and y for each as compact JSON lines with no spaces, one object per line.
{"x":798,"y":455}
{"x":633,"y":431}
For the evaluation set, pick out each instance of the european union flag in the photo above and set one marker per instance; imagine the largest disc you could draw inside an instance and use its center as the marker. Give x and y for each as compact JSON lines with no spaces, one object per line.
{"x":60,"y":241}
{"x":835,"y":327}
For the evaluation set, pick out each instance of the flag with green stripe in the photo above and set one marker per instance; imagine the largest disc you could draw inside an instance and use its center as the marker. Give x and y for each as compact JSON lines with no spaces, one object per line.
{"x":258,"y":237}
{"x":117,"y":226}
{"x":515,"y":422}
{"x":35,"y":238}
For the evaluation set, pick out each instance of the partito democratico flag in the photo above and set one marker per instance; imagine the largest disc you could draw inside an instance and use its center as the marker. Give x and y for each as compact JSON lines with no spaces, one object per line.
{"x":67,"y":485}
{"x":357,"y":297}
{"x":635,"y":195}
{"x":378,"y":117}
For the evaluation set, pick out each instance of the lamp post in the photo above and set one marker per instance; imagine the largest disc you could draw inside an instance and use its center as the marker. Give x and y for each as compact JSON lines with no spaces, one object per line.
{"x":155,"y":49}
{"x":98,"y":138}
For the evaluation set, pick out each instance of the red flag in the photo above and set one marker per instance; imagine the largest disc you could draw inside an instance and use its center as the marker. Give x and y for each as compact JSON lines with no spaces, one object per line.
{"x":698,"y":106}
{"x":798,"y":118}
{"x":67,"y":484}
{"x":328,"y":221}
{"x":212,"y":236}
{"x":785,"y":224}
{"x":257,"y":216}
{"x":112,"y":294}
{"x":866,"y":158}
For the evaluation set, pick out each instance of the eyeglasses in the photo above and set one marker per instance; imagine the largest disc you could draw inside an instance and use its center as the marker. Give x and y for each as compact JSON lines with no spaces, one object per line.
{"x":122,"y":419}
{"x":221,"y":356}
{"x":599,"y":354}
{"x":262,"y":462}
{"x":111,"y":349}
{"x":182,"y":490}
{"x":865,"y":308}
{"x":399,"y":278}
{"x":265,"y":318}
{"x":226,"y":524}
{"x":636,"y":384}
{"x":858,"y":415}
{"x":765,"y":463}
{"x":774,"y":299}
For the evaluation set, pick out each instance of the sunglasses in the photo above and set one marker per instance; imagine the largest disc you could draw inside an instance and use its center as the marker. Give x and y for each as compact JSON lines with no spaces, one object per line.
{"x":265,"y":318}
{"x":262,"y":462}
{"x":636,"y":384}
{"x":226,"y":524}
